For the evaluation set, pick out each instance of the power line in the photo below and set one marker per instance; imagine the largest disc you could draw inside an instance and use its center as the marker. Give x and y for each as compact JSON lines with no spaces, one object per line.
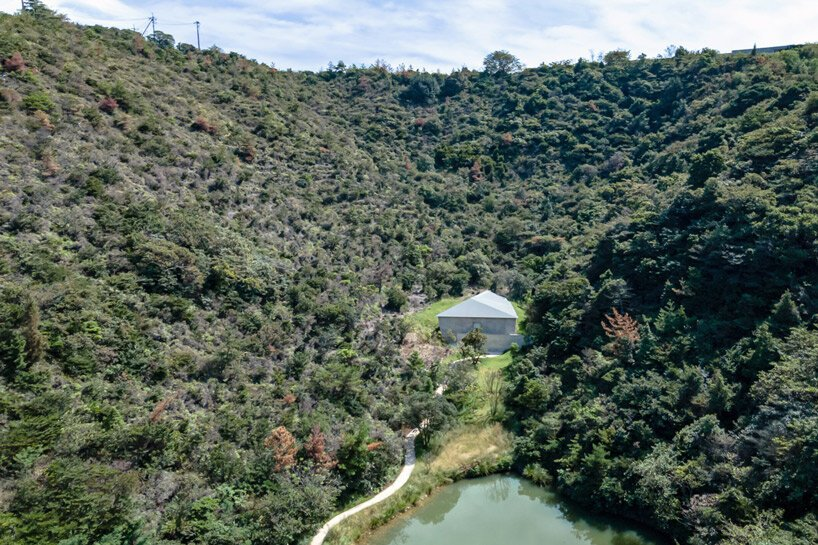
{"x":151,"y":24}
{"x":107,"y":19}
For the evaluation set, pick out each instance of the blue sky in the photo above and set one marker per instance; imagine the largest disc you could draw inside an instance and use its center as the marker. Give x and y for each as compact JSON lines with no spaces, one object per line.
{"x":444,"y":35}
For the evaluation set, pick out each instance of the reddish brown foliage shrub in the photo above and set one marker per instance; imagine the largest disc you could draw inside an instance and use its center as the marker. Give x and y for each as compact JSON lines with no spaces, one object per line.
{"x":138,"y":43}
{"x":284,"y":447}
{"x":15,"y":63}
{"x":506,"y":138}
{"x":315,"y":449}
{"x":203,"y":125}
{"x":364,"y":85}
{"x":246,"y":152}
{"x":161,"y":407}
{"x":476,"y":171}
{"x":108,"y":105}
{"x":372,"y":446}
{"x":621,"y":327}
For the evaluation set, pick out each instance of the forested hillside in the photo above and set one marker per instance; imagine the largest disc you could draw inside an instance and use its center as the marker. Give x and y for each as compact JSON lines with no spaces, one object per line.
{"x":203,"y":261}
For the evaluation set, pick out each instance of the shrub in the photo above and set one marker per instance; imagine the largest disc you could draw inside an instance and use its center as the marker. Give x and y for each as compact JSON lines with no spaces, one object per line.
{"x":246,"y":150}
{"x":705,"y":166}
{"x":423,"y":90}
{"x":108,"y":105}
{"x":811,"y":104}
{"x":537,"y":474}
{"x":98,"y":180}
{"x":395,"y":299}
{"x":284,"y":447}
{"x":203,"y":125}
{"x":44,"y":120}
{"x":125,"y":99}
{"x":10,"y":96}
{"x":473,"y":346}
{"x":38,"y":100}
{"x":93,"y":116}
{"x":15,"y":63}
{"x":270,"y":127}
{"x":50,"y":165}
{"x":454,"y":84}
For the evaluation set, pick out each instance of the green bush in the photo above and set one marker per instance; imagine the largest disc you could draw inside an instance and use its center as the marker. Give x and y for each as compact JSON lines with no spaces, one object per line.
{"x":811,"y":104}
{"x":422,"y":90}
{"x":396,"y":299}
{"x":38,"y":100}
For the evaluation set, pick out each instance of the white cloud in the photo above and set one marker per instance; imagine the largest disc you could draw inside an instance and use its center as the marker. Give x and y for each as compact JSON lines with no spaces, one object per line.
{"x":306,"y":34}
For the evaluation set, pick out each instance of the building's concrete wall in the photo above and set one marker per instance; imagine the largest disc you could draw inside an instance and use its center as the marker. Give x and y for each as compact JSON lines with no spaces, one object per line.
{"x":497,"y":344}
{"x":500,"y":333}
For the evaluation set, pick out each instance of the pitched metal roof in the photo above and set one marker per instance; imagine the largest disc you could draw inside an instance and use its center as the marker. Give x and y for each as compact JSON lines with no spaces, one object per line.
{"x":483,"y":305}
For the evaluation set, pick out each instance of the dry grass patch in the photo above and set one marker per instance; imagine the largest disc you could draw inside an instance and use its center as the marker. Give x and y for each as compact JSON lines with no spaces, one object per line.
{"x":426,"y":346}
{"x":470,"y":446}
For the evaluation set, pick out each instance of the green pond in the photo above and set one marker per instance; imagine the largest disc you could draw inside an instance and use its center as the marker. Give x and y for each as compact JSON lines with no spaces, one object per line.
{"x":501,"y":510}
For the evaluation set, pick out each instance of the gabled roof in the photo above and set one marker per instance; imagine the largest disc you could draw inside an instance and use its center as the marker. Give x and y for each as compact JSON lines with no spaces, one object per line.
{"x":484,"y":305}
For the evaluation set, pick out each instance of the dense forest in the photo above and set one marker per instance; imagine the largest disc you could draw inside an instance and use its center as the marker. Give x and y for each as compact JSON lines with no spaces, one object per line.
{"x":204,"y":262}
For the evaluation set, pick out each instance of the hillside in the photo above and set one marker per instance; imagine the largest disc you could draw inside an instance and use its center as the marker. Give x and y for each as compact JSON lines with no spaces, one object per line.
{"x":203,"y":260}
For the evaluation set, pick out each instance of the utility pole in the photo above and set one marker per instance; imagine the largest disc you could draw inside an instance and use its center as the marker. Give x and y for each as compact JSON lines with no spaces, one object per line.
{"x":198,"y":43}
{"x":151,"y":22}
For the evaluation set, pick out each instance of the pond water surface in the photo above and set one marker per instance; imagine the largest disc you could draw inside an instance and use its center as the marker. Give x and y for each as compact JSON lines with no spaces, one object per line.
{"x":506,"y":510}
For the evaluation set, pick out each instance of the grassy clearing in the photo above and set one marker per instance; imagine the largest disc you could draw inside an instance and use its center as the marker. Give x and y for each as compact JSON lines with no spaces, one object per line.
{"x":520,"y":317}
{"x":487,"y":405}
{"x":498,"y":362}
{"x":425,"y":321}
{"x":468,"y":451}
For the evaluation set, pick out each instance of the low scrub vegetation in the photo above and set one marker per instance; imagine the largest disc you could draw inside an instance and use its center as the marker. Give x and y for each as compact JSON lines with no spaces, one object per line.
{"x":201,"y":287}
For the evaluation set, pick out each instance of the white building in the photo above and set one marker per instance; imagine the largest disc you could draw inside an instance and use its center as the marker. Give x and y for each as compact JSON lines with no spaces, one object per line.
{"x":490,"y":313}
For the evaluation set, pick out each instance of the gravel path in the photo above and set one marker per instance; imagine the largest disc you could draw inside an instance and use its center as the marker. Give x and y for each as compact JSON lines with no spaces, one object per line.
{"x":403,"y":477}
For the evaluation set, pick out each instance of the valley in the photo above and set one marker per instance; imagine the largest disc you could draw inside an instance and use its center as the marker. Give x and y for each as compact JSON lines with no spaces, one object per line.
{"x":219,"y":283}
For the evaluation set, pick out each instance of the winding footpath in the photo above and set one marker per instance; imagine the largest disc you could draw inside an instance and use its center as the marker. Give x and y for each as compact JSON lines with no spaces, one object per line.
{"x":403,"y":477}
